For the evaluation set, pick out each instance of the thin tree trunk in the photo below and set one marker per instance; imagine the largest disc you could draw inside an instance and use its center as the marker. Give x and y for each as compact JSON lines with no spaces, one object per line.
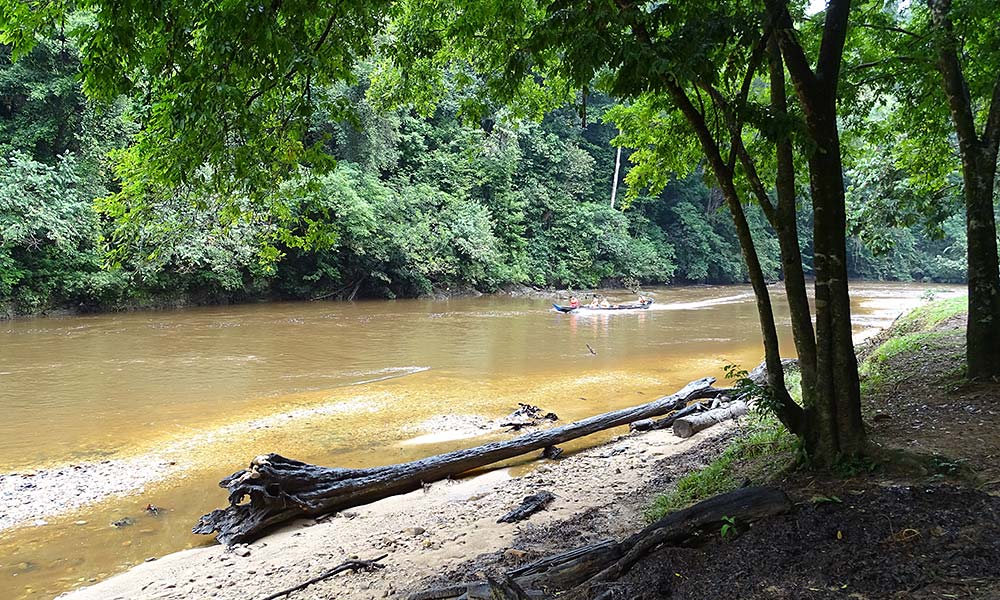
{"x":787,"y":410}
{"x":839,"y":429}
{"x":983,"y":330}
{"x":834,"y":428}
{"x":786,"y":227}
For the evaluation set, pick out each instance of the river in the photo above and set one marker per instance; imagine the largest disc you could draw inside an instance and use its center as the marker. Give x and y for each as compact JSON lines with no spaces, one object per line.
{"x":179,"y":399}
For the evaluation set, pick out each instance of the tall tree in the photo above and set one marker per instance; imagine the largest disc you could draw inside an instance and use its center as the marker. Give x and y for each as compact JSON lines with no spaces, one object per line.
{"x":978,"y":152}
{"x":932,"y":66}
{"x":839,"y":428}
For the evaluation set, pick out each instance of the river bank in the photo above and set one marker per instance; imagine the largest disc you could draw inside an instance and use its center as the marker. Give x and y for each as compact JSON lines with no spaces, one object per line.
{"x":150,"y":406}
{"x":600,"y":492}
{"x":920,"y":520}
{"x":10,"y":311}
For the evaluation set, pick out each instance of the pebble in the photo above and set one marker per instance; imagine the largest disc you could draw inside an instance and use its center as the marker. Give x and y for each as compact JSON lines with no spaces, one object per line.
{"x":414,"y":531}
{"x":151,"y":559}
{"x":80,"y":523}
{"x":241,"y":550}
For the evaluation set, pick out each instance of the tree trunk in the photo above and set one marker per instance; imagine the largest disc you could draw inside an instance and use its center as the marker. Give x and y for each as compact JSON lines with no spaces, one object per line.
{"x":979,"y":166}
{"x":281,"y":489}
{"x":786,"y":227}
{"x":834,"y":428}
{"x":983,"y":330}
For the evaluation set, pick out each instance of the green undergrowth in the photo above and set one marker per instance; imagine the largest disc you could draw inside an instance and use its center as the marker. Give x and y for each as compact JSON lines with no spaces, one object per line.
{"x":915,"y":339}
{"x":928,"y":316}
{"x":763,"y":446}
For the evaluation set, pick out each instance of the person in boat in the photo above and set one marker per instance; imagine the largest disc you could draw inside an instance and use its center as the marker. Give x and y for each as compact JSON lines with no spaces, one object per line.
{"x":594,"y":303}
{"x":643,"y":300}
{"x":605,"y":303}
{"x":574,"y":302}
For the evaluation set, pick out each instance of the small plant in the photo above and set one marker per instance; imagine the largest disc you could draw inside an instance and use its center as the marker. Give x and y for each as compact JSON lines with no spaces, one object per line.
{"x":826,"y":500}
{"x":857,"y":465}
{"x":728,"y":527}
{"x":758,"y":396}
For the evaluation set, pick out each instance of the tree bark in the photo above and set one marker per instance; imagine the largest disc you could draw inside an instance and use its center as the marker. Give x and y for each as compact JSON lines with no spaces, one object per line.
{"x":689,"y":425}
{"x":786,"y":227}
{"x":979,"y":165}
{"x":834,"y":427}
{"x":280,"y":489}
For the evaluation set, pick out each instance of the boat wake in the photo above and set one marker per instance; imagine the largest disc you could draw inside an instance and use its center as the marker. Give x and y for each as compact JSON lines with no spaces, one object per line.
{"x":736,"y":299}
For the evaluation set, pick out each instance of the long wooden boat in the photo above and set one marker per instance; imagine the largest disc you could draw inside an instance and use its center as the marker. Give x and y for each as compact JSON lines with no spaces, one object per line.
{"x":629,"y":306}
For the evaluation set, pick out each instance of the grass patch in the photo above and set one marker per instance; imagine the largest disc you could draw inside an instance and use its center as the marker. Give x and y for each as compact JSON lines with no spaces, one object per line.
{"x":929,"y":315}
{"x":764,"y":442}
{"x":880,"y":368}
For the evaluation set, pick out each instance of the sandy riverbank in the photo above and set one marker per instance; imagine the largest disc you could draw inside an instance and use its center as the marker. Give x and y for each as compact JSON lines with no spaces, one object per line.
{"x":601,"y":493}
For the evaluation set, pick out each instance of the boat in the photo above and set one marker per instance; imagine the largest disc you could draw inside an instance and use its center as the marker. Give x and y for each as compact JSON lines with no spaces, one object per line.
{"x":628,"y":306}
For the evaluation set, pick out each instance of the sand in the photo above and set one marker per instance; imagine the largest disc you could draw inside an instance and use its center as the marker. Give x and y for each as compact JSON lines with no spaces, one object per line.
{"x":441,"y":533}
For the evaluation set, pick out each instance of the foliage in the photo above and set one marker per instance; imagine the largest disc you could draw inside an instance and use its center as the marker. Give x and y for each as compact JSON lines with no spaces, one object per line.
{"x":763,"y":443}
{"x":437,"y":190}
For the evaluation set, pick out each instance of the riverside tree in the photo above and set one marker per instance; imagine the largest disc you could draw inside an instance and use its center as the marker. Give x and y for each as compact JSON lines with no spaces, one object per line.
{"x":934,"y":64}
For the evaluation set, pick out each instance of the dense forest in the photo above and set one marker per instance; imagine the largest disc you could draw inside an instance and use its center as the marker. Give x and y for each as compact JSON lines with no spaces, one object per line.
{"x":418,"y":201}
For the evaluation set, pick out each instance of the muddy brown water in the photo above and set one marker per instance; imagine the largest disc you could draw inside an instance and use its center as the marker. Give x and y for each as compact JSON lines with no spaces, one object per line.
{"x":348,"y":384}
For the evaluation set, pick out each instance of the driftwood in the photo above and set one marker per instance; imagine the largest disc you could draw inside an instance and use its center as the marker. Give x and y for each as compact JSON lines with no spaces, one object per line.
{"x":743,"y":506}
{"x":527,"y":415}
{"x":583,"y":570}
{"x":280,"y":489}
{"x":567,"y":569}
{"x":351,"y":565}
{"x":552,"y":452}
{"x":650,"y":424}
{"x":529,"y":506}
{"x":689,"y":425}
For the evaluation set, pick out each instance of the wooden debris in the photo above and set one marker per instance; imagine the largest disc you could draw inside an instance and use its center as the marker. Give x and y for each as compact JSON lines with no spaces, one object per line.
{"x":711,"y":392}
{"x":280,"y":489}
{"x":584,"y":572}
{"x":691,"y":424}
{"x":552,"y":452}
{"x":529,"y":506}
{"x":527,"y":415}
{"x":351,"y":565}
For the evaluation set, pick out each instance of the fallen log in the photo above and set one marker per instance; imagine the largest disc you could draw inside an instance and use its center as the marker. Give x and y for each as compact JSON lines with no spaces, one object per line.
{"x":529,"y":506}
{"x":650,"y":424}
{"x":280,"y":489}
{"x":567,"y":569}
{"x":691,"y":424}
{"x":351,"y":565}
{"x":579,"y":571}
{"x":743,"y":506}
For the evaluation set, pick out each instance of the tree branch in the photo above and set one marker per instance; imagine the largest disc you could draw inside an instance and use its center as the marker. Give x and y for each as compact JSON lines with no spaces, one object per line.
{"x":831,"y":50}
{"x":959,"y":101}
{"x":795,"y":57}
{"x":991,"y":133}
